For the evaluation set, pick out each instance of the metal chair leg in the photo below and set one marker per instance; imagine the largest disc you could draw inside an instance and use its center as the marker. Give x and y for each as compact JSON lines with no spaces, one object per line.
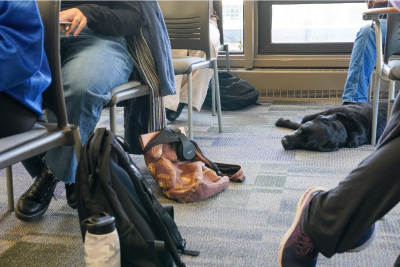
{"x":370,"y":88}
{"x":10,"y":188}
{"x":228,"y":63}
{"x":213,"y":95}
{"x":190,"y":105}
{"x":78,"y":142}
{"x":391,"y":96}
{"x":375,"y":106}
{"x":113,"y":119}
{"x":218,"y":98}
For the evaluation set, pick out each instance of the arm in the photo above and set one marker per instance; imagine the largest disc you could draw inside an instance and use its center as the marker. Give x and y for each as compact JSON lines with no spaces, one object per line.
{"x":21,"y":42}
{"x":376,"y":3}
{"x":123,"y":18}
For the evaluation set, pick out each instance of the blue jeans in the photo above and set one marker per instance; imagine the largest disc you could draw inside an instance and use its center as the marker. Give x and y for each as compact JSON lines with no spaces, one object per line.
{"x":92,"y":64}
{"x":362,"y":63}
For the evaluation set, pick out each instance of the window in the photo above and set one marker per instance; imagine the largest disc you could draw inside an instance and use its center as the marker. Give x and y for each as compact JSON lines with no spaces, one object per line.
{"x":309,"y":27}
{"x":232,"y":12}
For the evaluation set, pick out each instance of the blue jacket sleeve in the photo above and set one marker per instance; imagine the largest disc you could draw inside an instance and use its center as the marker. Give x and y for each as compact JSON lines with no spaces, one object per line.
{"x":21,"y":42}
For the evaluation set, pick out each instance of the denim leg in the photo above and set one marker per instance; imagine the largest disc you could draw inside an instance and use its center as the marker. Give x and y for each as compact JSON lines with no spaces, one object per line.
{"x":362,"y":63}
{"x":91,"y":66}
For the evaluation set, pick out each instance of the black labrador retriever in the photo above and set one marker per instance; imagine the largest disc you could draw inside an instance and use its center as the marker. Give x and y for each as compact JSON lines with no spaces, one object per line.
{"x":326,"y":131}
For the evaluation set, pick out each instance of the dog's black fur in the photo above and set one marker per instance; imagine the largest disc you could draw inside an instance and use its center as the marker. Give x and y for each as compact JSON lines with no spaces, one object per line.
{"x":343,"y":126}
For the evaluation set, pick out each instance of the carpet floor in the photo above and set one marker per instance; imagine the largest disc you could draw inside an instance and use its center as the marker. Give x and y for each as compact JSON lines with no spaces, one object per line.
{"x":240,"y":226}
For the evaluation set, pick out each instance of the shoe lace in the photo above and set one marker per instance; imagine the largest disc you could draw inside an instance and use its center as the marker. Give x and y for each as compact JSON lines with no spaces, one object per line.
{"x":305,"y":247}
{"x":43,"y":185}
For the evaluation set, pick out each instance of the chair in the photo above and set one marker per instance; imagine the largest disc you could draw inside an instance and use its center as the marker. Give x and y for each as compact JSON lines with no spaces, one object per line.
{"x":387,"y":70}
{"x":131,"y":89}
{"x":43,"y":136}
{"x":188,"y":28}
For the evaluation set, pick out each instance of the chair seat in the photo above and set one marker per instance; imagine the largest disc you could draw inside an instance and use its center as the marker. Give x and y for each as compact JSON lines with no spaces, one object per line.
{"x":8,"y":143}
{"x":125,"y":86}
{"x":182,"y":63}
{"x":392,"y":70}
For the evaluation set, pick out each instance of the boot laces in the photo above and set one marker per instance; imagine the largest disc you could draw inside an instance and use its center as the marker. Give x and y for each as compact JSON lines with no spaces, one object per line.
{"x":43,"y":186}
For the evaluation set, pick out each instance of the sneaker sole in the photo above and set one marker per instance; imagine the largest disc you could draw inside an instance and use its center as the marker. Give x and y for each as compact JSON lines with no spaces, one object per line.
{"x":29,"y":218}
{"x":299,"y":211}
{"x":368,"y":243}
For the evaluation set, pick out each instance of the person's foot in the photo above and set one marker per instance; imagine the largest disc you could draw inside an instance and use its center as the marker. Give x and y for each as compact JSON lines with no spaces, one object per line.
{"x":173,"y":115}
{"x":34,"y":202}
{"x":347,"y":103}
{"x":297,"y":249}
{"x":71,"y":196}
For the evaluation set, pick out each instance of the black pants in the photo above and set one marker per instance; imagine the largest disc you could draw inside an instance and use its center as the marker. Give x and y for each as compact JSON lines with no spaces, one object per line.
{"x":338,"y":218}
{"x":15,"y":118}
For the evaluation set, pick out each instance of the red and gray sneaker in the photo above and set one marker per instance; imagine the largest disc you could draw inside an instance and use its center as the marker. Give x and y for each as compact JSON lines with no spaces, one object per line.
{"x":296,"y":248}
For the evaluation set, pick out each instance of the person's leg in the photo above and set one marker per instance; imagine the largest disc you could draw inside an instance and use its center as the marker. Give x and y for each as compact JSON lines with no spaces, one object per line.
{"x":362,"y":63}
{"x":343,"y":218}
{"x":91,"y":67}
{"x":92,"y":64}
{"x":16,"y":117}
{"x":366,"y":195}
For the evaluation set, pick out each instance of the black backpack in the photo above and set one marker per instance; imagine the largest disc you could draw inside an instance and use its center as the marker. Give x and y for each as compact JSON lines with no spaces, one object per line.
{"x":234,"y":92}
{"x":107,"y":180}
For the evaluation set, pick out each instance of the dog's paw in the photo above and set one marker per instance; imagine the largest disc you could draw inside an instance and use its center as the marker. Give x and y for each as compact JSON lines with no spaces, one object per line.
{"x":282,"y":122}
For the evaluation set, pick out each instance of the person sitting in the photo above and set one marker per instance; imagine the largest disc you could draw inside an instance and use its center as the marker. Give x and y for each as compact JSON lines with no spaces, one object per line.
{"x":362,"y":61}
{"x":24,"y":70}
{"x":94,"y":59}
{"x":200,"y":78}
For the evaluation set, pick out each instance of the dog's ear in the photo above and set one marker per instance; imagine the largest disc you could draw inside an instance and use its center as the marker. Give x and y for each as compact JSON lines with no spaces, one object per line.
{"x":328,"y":118}
{"x":329,"y":146}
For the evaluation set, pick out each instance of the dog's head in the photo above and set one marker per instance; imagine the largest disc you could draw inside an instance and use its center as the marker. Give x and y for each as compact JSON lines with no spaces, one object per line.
{"x":323,"y":134}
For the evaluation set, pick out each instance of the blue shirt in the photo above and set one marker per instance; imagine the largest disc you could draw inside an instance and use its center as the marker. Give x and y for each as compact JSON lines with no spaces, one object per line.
{"x":24,"y":70}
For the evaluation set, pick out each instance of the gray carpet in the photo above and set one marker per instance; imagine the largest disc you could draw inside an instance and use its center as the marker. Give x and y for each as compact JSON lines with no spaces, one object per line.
{"x":242,"y":225}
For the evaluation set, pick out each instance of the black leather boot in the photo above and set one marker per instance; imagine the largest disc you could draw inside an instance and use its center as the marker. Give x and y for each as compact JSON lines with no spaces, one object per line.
{"x":173,"y":115}
{"x":71,"y":196}
{"x":34,"y":202}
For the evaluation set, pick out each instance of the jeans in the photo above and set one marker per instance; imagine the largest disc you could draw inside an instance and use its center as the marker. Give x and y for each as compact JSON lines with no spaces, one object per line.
{"x":91,"y":65}
{"x":362,"y":63}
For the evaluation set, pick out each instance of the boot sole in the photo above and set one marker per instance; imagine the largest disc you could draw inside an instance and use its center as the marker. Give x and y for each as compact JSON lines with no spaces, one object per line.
{"x":29,"y":218}
{"x":299,"y":211}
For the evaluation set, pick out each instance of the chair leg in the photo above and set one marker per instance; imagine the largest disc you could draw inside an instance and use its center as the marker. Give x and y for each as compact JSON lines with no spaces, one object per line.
{"x":375,"y":106}
{"x":113,"y":119}
{"x":213,"y":95}
{"x":217,"y":94}
{"x":228,"y":63}
{"x":190,"y":105}
{"x":369,"y":89}
{"x":10,"y":188}
{"x":391,"y":96}
{"x":78,"y":142}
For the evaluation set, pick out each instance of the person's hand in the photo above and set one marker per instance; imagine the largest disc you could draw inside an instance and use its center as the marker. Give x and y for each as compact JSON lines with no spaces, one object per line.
{"x":76,"y":17}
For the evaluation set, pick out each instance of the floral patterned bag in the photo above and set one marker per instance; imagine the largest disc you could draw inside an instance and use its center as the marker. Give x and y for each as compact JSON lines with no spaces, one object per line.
{"x":182,"y":180}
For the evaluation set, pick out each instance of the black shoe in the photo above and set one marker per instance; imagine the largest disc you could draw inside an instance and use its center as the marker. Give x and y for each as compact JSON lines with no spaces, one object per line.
{"x":173,"y":115}
{"x":348,"y":103}
{"x":34,"y":202}
{"x":71,"y":196}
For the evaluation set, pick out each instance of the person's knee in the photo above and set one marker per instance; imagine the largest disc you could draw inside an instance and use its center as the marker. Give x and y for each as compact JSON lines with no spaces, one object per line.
{"x":366,"y":30}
